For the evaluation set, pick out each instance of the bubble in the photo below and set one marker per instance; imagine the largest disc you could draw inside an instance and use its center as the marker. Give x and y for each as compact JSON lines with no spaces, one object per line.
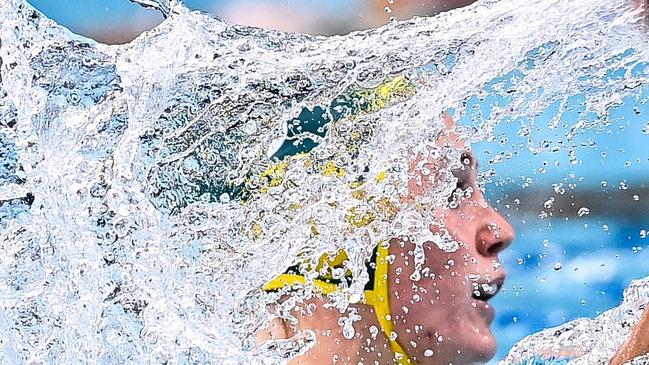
{"x":558,"y":266}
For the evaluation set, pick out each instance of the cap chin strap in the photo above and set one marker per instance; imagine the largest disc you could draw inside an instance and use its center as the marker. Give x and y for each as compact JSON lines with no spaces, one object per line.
{"x":378,"y":298}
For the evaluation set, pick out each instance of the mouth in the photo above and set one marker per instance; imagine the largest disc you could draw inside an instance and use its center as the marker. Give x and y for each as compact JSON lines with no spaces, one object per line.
{"x":486,"y":289}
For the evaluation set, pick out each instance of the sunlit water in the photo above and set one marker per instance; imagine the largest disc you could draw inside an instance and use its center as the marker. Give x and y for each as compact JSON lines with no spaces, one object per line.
{"x":149,"y":190}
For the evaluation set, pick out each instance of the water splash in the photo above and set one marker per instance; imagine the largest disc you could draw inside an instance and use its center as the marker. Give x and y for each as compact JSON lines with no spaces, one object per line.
{"x":588,"y":341}
{"x":149,"y":190}
{"x":166,"y":7}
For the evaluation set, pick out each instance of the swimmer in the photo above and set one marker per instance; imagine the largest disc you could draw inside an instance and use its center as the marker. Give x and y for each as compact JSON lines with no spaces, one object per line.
{"x":443,"y":317}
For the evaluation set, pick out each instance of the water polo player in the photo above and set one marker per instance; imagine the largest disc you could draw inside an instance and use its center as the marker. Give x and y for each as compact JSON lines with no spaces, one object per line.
{"x":443,"y":316}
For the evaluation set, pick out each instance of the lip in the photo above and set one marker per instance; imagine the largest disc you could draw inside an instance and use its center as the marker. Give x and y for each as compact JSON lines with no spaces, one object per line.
{"x":484,"y":290}
{"x":481,"y":292}
{"x":486,"y":310}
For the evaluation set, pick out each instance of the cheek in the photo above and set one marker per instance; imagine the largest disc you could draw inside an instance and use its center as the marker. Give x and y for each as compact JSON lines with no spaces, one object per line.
{"x":459,"y":225}
{"x":440,"y":289}
{"x":449,"y":267}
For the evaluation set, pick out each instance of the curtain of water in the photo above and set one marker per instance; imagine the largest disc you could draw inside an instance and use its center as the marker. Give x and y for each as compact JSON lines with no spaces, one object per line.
{"x":149,"y":190}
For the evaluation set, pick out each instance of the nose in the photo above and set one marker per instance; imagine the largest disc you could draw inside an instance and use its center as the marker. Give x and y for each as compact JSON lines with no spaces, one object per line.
{"x":494,"y":233}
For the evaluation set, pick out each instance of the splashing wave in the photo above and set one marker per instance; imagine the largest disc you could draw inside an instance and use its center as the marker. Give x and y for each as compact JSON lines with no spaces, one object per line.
{"x":149,"y":190}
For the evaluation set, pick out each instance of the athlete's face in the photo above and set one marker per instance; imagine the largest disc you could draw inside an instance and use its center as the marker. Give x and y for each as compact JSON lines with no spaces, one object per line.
{"x":445,"y":317}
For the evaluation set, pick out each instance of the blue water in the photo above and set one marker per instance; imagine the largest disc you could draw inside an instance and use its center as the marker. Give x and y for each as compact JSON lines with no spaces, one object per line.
{"x":597,"y":265}
{"x":596,"y":255}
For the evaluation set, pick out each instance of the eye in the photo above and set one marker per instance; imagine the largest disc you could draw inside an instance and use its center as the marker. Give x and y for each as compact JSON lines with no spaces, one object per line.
{"x":465,"y":172}
{"x":464,"y":175}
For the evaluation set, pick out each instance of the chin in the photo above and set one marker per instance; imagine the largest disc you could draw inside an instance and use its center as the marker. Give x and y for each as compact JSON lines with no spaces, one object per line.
{"x":470,"y":345}
{"x":482,"y":347}
{"x":476,"y":344}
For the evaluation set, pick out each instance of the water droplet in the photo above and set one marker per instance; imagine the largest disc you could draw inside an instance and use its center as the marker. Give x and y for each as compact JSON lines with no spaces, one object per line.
{"x":473,"y":277}
{"x":583,"y":211}
{"x":348,"y":330}
{"x":515,"y":319}
{"x":428,"y":353}
{"x":388,"y":10}
{"x":548,"y":203}
{"x":109,"y":258}
{"x":74,"y":98}
{"x":393,"y":336}
{"x":643,"y":233}
{"x":374,"y":331}
{"x":558,"y":266}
